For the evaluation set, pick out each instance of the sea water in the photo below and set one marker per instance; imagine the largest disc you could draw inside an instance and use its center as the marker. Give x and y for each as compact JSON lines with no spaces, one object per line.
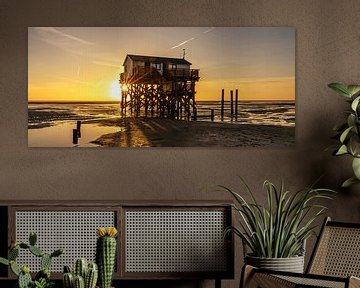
{"x":277,"y":113}
{"x":52,"y":124}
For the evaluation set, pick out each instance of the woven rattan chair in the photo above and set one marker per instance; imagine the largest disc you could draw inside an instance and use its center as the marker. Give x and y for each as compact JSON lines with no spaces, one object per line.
{"x":334,"y":263}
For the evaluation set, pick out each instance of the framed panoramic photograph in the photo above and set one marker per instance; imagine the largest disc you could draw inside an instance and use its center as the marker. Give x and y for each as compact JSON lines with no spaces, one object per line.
{"x":161,"y":87}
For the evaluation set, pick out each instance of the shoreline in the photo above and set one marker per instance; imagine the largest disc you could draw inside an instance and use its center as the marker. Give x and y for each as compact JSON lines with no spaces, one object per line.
{"x":156,"y":132}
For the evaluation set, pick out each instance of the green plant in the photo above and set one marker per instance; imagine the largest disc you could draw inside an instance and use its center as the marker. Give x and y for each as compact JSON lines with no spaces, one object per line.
{"x":42,"y":278}
{"x":349,"y":132}
{"x":105,"y":254}
{"x":279,"y":229}
{"x":85,"y":275}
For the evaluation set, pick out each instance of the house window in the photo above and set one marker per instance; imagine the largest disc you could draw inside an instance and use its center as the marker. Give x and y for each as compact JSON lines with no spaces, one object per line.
{"x":156,"y":66}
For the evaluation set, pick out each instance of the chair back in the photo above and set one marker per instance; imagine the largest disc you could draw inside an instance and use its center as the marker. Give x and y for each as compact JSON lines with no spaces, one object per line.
{"x":337,"y":251}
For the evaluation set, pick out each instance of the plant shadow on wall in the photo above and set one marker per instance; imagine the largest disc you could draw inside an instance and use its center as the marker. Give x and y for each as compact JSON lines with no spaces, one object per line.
{"x":349,"y":132}
{"x":276,"y":233}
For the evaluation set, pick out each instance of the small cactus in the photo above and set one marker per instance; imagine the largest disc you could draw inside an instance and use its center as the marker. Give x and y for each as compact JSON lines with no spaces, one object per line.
{"x":13,"y":253}
{"x":24,"y":245}
{"x":14,"y":268}
{"x":36,"y":251}
{"x":32,"y":238}
{"x":24,"y":280}
{"x":79,"y":282}
{"x":80,"y":268}
{"x":42,"y":278}
{"x":4,"y":261}
{"x":106,"y":254}
{"x":67,"y":269}
{"x":68,"y":280}
{"x":91,"y":276}
{"x":89,"y":272}
{"x":57,"y":252}
{"x":45,"y":261}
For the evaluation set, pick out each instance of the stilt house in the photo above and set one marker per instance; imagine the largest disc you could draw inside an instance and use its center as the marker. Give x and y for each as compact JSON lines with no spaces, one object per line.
{"x":158,"y":86}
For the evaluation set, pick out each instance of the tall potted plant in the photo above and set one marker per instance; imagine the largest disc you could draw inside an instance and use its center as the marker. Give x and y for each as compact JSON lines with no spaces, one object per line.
{"x":276,"y":233}
{"x":349,"y":132}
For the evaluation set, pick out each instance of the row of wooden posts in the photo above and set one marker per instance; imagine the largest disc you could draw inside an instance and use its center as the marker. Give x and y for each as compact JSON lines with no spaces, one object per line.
{"x":234,"y":111}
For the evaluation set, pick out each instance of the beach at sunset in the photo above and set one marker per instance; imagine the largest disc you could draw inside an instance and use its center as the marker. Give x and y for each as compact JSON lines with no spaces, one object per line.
{"x":190,"y":86}
{"x":140,"y":132}
{"x":259,"y":124}
{"x":156,"y":132}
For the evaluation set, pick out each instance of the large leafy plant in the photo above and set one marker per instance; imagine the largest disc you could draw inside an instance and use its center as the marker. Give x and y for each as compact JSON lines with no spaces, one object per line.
{"x":279,"y":229}
{"x":349,"y":132}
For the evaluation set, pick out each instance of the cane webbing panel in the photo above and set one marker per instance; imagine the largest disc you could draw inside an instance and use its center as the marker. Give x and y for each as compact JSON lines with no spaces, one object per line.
{"x":338,"y":252}
{"x":175,"y":241}
{"x":313,"y":282}
{"x":74,"y":231}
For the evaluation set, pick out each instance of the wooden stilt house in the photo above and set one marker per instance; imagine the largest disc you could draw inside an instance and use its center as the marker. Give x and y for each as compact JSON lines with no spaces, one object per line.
{"x":158,"y":87}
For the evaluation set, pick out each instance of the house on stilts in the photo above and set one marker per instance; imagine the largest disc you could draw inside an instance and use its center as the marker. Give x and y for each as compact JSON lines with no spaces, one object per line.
{"x":158,"y":87}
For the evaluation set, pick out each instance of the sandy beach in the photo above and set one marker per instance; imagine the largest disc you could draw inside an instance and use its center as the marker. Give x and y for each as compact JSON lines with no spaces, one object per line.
{"x":155,"y":132}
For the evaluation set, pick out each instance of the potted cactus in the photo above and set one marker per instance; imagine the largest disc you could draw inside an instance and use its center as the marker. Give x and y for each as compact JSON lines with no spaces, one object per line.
{"x":84,"y":275}
{"x":42,"y":278}
{"x":106,"y":254}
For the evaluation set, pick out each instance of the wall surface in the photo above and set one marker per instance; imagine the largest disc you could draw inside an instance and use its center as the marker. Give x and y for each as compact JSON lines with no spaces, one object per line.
{"x":327,"y":50}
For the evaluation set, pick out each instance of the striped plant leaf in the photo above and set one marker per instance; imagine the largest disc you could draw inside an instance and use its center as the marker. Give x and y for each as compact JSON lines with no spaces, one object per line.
{"x":279,"y":228}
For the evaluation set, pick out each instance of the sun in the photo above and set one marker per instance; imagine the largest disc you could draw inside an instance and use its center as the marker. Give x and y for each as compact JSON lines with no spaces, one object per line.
{"x":115,"y":91}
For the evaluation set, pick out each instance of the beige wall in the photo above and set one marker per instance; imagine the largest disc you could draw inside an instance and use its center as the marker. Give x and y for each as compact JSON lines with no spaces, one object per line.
{"x":327,"y":50}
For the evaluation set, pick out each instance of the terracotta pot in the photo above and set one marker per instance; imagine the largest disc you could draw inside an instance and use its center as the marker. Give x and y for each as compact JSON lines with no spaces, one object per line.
{"x":291,"y":264}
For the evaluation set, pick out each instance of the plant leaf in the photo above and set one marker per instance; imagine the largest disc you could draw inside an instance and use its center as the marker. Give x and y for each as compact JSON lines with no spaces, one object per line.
{"x":340,"y":88}
{"x":355,"y":103}
{"x":353,"y":89}
{"x":345,"y":134}
{"x":4,"y":261}
{"x":351,"y":120}
{"x":354,"y":146}
{"x":356,"y":167}
{"x":349,"y":182}
{"x":342,"y":150}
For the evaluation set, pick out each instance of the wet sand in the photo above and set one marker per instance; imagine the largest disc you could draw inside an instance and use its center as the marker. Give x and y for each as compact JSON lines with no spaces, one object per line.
{"x":154,"y":132}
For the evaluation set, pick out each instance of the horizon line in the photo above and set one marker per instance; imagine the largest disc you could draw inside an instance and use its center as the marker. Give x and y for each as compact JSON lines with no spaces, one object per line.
{"x":118,"y":102}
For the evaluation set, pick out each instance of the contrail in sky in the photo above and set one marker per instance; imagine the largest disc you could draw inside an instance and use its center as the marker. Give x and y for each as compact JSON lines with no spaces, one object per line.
{"x":209,"y":30}
{"x":182,"y":43}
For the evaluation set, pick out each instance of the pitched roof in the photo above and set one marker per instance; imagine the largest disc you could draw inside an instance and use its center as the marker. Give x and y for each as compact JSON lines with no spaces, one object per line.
{"x":156,"y":59}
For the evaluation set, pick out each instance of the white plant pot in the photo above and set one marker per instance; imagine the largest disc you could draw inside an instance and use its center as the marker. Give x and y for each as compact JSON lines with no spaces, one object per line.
{"x":291,"y":264}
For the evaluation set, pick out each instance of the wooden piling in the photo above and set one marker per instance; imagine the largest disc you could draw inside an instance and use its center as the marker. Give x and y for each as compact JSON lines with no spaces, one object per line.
{"x":236,"y":103}
{"x":195,"y":113}
{"x":78,"y":128}
{"x":212,"y":115}
{"x":222,"y":105}
{"x":232,"y":103}
{"x":75,"y":136}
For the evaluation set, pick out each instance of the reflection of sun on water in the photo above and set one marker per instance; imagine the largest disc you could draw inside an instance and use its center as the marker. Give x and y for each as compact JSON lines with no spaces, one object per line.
{"x":115,"y":91}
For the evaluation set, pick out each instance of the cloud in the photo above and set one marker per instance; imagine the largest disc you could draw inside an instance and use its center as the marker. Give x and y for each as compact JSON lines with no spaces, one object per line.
{"x":62,"y":40}
{"x":182,"y":43}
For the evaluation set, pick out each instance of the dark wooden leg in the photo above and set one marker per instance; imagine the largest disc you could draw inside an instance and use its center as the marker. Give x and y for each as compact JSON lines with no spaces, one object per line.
{"x":217,"y":283}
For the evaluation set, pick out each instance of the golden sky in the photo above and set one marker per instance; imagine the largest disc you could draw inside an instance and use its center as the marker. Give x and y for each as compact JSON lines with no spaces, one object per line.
{"x":84,"y":63}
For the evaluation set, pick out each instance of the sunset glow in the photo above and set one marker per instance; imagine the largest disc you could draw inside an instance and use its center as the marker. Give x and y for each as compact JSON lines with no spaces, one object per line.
{"x":115,"y":92}
{"x":83,"y":64}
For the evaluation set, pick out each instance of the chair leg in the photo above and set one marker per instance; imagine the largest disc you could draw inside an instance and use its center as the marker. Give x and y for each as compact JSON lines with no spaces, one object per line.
{"x":217,"y":282}
{"x":246,"y":273}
